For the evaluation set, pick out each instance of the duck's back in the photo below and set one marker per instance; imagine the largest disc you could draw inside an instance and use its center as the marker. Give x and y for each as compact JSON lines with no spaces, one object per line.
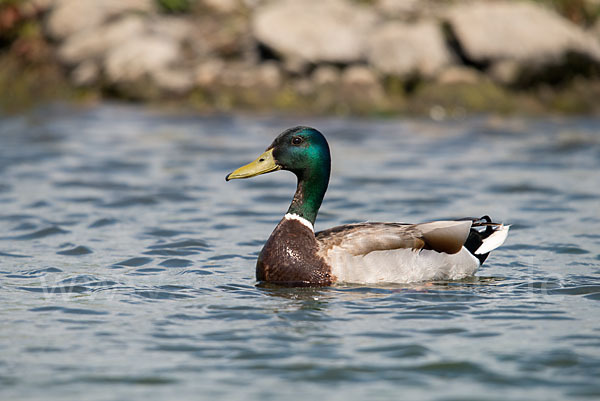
{"x":394,"y":252}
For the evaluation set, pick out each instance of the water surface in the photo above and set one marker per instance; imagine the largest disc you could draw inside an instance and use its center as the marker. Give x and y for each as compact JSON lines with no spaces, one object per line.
{"x":127,"y":262}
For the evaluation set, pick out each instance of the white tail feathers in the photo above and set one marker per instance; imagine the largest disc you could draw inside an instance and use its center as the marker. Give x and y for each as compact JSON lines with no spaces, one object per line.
{"x":493,"y":241}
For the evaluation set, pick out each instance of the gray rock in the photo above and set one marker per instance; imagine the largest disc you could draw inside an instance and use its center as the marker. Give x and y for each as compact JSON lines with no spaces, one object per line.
{"x":459,"y":75}
{"x":86,"y":73}
{"x":238,"y":75}
{"x":504,"y":72}
{"x":252,"y":4}
{"x":141,"y":57}
{"x":129,"y":49}
{"x":403,"y":49}
{"x":215,"y":73}
{"x":313,"y":30}
{"x":32,"y":8}
{"x":296,"y":65}
{"x":398,"y":8}
{"x":223,"y":6}
{"x":304,"y":86}
{"x":176,"y":81}
{"x":223,"y":37}
{"x":595,"y":30}
{"x":208,"y":72}
{"x":69,"y":17}
{"x":94,"y":43}
{"x":361,"y":82}
{"x":521,"y":31}
{"x":359,"y":75}
{"x":269,"y":75}
{"x":177,"y":28}
{"x":411,"y":10}
{"x":326,"y":75}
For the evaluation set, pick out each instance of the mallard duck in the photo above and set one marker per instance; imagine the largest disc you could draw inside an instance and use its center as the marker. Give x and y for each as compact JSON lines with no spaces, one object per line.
{"x":362,"y":253}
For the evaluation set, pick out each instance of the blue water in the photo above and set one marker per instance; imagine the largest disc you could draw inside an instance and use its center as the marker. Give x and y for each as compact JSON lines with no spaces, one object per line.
{"x":127,"y":262}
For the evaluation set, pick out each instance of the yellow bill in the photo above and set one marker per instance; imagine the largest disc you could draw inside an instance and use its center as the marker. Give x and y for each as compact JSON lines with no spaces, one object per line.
{"x":265,"y":163}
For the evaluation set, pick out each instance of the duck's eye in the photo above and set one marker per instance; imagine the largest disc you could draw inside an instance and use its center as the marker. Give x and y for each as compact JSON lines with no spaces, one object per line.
{"x":296,"y":140}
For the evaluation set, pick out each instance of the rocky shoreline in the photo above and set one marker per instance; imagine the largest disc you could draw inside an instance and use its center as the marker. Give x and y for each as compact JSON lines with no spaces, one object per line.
{"x":336,"y":56}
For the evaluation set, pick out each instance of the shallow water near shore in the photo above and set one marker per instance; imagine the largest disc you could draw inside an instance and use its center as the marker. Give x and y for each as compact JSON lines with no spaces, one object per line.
{"x":127,"y":262}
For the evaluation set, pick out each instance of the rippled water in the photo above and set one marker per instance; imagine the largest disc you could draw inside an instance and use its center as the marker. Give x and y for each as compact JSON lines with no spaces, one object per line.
{"x":127,"y":261}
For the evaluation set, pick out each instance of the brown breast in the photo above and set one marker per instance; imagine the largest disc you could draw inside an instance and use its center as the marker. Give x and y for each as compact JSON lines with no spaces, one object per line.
{"x":290,"y":257}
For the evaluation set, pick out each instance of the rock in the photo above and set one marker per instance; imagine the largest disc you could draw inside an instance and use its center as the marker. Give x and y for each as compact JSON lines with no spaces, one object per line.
{"x":223,"y":6}
{"x":313,"y":30}
{"x":358,"y":75}
{"x":521,"y":31}
{"x":304,"y":87}
{"x":237,"y":75}
{"x":398,"y":8}
{"x":217,"y":73}
{"x":224,"y":37}
{"x":326,"y":75}
{"x":32,"y":8}
{"x":410,"y":10}
{"x":459,"y":75}
{"x":177,"y":28}
{"x":94,"y":43}
{"x":86,"y":73}
{"x":208,"y":72}
{"x":504,"y":72}
{"x":404,"y":49}
{"x":252,"y":4}
{"x":595,"y":30}
{"x":69,"y":17}
{"x":140,"y":57}
{"x":361,"y":82}
{"x":269,"y":75}
{"x":131,"y":48}
{"x":295,"y":65}
{"x":175,"y":81}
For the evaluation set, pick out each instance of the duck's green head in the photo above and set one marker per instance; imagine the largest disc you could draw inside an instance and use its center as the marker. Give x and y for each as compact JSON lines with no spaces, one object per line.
{"x":303,"y":151}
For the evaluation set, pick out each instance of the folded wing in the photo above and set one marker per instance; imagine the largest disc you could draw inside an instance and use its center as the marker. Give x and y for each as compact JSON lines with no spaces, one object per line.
{"x":364,"y":238}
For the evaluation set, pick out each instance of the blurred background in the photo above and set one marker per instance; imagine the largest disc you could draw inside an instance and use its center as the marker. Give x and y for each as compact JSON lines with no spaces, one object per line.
{"x":370,"y":57}
{"x":127,"y":263}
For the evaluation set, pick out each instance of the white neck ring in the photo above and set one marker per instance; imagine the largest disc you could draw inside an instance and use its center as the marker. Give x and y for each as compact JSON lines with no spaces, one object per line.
{"x":292,"y":216}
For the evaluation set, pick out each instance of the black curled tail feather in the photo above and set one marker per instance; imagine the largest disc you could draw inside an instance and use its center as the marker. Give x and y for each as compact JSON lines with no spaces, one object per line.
{"x":481,"y":229}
